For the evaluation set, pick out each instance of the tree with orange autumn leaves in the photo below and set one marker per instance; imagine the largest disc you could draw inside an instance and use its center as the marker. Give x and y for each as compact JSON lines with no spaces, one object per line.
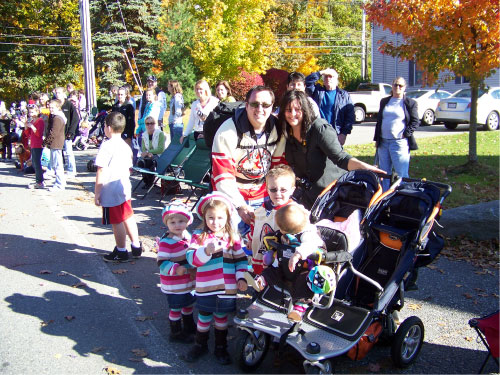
{"x":459,"y":36}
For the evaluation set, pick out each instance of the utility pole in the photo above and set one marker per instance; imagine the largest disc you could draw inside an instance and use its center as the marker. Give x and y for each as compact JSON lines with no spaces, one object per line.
{"x":88,"y":56}
{"x":363,"y":43}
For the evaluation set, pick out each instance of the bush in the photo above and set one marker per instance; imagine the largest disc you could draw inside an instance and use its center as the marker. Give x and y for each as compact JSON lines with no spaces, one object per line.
{"x":241,"y":85}
{"x":276,"y":79}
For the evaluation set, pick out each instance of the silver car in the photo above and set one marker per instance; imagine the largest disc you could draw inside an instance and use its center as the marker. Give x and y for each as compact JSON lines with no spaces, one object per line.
{"x":456,"y":109}
{"x":427,"y":102}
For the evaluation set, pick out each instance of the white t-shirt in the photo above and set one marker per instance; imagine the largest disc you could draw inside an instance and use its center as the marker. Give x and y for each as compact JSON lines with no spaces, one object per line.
{"x":115,"y":157}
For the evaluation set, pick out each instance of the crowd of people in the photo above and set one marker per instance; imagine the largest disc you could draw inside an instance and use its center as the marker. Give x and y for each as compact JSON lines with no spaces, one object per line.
{"x":261,"y":177}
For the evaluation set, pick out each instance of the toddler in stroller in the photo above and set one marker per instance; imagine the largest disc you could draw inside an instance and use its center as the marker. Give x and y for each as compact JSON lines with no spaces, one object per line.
{"x":288,"y":267}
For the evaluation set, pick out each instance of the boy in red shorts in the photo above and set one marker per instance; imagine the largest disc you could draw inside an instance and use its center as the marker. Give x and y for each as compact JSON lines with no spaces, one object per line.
{"x":113,"y":189}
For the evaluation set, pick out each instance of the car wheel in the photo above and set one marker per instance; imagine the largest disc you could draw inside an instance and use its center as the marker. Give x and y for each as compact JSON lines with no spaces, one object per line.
{"x":450,"y":125}
{"x":428,"y":117}
{"x":492,"y":121}
{"x":407,"y":342}
{"x":359,"y":114}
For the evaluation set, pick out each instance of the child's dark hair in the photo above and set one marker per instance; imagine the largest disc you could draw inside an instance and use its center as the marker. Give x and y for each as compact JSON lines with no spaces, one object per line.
{"x":295,"y":76}
{"x":281,"y":170}
{"x":116,"y":121}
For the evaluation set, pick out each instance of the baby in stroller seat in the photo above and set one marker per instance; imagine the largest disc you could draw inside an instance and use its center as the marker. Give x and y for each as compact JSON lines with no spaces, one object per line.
{"x":288,"y":267}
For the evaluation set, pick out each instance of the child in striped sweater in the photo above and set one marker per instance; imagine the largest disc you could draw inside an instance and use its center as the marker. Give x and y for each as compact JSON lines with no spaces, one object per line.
{"x":216,"y":251}
{"x":176,"y":275}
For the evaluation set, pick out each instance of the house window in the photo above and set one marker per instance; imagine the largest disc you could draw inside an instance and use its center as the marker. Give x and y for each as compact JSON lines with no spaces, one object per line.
{"x":415,"y":74}
{"x":459,"y":80}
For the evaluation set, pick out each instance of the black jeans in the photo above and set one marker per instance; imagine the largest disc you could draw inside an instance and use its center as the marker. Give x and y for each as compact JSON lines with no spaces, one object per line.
{"x":148,"y":163}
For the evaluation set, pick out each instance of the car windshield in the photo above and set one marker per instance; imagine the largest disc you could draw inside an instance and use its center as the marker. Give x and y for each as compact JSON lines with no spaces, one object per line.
{"x":415,"y":94}
{"x":367,"y":87}
{"x":466,"y":93}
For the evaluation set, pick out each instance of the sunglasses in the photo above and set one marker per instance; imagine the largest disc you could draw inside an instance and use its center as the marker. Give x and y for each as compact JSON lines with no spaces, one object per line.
{"x":258,"y":104}
{"x":398,"y":85}
{"x":275,"y":190}
{"x":150,"y":124}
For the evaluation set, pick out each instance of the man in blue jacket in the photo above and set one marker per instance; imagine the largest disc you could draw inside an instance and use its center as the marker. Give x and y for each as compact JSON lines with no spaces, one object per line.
{"x":335,"y":105}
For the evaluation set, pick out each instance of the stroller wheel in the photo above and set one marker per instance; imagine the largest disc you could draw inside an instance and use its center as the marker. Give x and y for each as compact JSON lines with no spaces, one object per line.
{"x":314,"y":369}
{"x":251,"y":354}
{"x":407,"y":342}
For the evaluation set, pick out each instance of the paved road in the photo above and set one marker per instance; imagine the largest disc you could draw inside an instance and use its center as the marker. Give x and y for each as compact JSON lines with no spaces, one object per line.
{"x":363,"y":133}
{"x":63,"y":310}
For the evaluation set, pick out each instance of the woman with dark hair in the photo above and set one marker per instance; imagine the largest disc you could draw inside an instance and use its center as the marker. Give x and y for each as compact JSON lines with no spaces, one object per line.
{"x":223,"y":92}
{"x":124,"y":106}
{"x":312,"y":148}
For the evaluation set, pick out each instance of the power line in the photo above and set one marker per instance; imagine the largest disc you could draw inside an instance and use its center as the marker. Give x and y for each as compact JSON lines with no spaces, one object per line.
{"x":45,"y":30}
{"x":38,"y":45}
{"x":19,"y":36}
{"x":37,"y":53}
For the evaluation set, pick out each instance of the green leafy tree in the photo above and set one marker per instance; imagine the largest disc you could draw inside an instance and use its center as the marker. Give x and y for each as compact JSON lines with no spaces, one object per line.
{"x":39,"y":46}
{"x":175,"y":62}
{"x":131,"y":26}
{"x":328,"y":32}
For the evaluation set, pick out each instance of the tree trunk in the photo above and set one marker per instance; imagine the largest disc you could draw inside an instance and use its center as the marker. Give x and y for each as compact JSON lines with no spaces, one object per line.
{"x":473,"y":122}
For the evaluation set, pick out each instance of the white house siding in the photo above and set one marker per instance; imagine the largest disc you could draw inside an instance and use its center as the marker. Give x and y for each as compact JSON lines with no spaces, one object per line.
{"x":385,"y":68}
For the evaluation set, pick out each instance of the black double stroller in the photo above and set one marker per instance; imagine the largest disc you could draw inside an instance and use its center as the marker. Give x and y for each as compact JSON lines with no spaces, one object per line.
{"x":372,"y":272}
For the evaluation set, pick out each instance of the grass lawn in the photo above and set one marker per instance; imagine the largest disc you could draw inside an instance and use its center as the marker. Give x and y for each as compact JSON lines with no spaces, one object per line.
{"x":436,"y":157}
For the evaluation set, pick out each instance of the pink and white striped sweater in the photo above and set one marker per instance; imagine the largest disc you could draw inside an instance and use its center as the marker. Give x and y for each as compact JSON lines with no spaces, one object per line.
{"x":217,"y":273}
{"x":171,"y":255}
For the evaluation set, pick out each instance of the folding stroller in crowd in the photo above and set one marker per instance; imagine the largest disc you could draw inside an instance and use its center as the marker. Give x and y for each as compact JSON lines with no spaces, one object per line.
{"x":487,"y":329}
{"x":371,"y":274}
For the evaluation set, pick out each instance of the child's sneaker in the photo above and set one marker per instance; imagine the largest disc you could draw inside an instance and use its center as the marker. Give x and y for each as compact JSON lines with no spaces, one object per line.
{"x":296,"y":314}
{"x":116,"y":256}
{"x":258,"y":283}
{"x":136,"y":251}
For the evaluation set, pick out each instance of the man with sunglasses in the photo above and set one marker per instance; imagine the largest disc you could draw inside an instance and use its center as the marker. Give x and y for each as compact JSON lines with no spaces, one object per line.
{"x":245,"y":147}
{"x":335,"y":105}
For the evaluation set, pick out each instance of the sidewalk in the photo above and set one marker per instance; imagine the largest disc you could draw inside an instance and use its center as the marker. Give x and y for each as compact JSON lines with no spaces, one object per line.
{"x":66,"y":311}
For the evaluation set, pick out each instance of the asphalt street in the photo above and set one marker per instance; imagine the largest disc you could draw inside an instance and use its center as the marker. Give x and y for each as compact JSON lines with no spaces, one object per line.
{"x":63,"y":310}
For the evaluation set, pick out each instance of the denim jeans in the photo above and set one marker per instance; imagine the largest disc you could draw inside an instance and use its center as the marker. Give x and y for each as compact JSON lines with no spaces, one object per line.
{"x":36,"y":158}
{"x":58,"y":168}
{"x":393,"y":154}
{"x":68,"y":148}
{"x":175,"y":131}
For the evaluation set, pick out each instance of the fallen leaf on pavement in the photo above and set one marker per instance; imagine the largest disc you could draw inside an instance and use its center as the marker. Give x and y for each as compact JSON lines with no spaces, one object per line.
{"x":135,"y":286}
{"x":111,"y":370}
{"x":86,"y":275}
{"x":79,"y":285}
{"x":140,"y":352}
{"x":374,"y":367}
{"x":135,"y":359}
{"x":53,"y":237}
{"x":414,"y":306}
{"x":468,"y":338}
{"x":45,"y":272}
{"x":62,"y":274}
{"x":459,"y":285}
{"x":45,"y":324}
{"x":143,"y":318}
{"x":97,"y":349}
{"x":120,"y":271}
{"x":69,"y":317}
{"x":146,"y":332}
{"x":467,"y":295}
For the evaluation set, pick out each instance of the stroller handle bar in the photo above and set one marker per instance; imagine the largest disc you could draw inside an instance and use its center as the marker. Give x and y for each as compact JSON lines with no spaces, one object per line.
{"x":396,"y":180}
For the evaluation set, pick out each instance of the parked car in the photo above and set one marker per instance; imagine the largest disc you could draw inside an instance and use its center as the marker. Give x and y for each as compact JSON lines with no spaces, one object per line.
{"x":366,"y":99}
{"x":427,"y":102}
{"x":456,"y":109}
